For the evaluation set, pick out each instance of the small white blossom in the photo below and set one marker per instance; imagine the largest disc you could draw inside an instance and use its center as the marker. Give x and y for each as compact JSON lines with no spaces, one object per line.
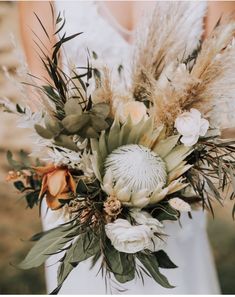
{"x":191,"y":126}
{"x":180,"y":204}
{"x":63,"y":156}
{"x":132,"y":239}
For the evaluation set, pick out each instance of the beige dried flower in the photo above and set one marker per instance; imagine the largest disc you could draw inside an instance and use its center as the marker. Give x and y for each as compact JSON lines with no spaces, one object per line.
{"x":112,"y":206}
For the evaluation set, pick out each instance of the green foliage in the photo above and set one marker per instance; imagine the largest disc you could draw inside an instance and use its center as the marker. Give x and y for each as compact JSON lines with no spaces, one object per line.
{"x":122,"y":265}
{"x":150,"y":263}
{"x":23,"y":162}
{"x":32,"y":198}
{"x":164,"y":212}
{"x":43,"y":132}
{"x":87,"y":124}
{"x":163,"y":260}
{"x":47,"y":245}
{"x":84,"y":247}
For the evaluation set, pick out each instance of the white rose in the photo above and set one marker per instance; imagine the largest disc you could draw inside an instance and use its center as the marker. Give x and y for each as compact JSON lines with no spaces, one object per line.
{"x":136,"y":110}
{"x":127,"y":238}
{"x":132,"y":239}
{"x":143,"y":217}
{"x":191,"y":126}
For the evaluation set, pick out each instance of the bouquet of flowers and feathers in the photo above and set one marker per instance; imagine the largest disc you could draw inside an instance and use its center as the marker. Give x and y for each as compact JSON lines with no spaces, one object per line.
{"x":122,"y":160}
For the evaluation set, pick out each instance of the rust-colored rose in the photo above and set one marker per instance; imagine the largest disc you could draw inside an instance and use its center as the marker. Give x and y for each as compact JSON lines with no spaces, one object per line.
{"x":57,"y":183}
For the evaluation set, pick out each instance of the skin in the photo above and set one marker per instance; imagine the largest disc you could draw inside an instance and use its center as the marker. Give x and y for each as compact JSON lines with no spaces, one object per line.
{"x":127,"y":20}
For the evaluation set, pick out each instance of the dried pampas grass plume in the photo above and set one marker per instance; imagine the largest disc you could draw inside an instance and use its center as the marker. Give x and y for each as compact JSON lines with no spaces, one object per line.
{"x":173,"y":32}
{"x":208,"y":84}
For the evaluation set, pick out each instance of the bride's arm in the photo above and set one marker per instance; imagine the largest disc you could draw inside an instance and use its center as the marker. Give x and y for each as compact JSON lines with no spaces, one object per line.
{"x":30,"y":28}
{"x":217,"y":9}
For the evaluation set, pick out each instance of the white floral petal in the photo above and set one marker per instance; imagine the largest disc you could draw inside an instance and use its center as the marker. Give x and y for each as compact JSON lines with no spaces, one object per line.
{"x":180,"y":204}
{"x":204,"y":127}
{"x":189,"y":140}
{"x":124,"y":195}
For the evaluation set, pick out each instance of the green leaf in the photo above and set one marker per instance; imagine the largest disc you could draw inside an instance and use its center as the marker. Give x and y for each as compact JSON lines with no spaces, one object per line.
{"x":66,"y":141}
{"x":19,"y":186}
{"x":73,"y":123}
{"x":150,"y":263}
{"x":53,"y":125}
{"x":14,"y":164}
{"x":113,"y":140}
{"x":103,"y":145}
{"x":47,"y":245}
{"x":176,"y":156}
{"x":19,"y":108}
{"x":86,"y":246}
{"x":101,"y":109}
{"x":32,"y":198}
{"x":164,"y":213}
{"x":122,"y":265}
{"x":163,"y":260}
{"x":88,"y":132}
{"x":72,"y":106}
{"x":24,"y":159}
{"x":165,"y":146}
{"x":44,"y":133}
{"x":98,"y":123}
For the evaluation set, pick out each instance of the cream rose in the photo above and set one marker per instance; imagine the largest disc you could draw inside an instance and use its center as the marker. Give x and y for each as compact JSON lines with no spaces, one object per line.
{"x":127,"y":238}
{"x":191,"y":126}
{"x":136,"y":110}
{"x":144,"y":218}
{"x":130,"y":239}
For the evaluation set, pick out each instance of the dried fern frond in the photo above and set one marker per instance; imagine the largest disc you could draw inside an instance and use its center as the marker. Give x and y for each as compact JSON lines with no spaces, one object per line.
{"x":173,"y":32}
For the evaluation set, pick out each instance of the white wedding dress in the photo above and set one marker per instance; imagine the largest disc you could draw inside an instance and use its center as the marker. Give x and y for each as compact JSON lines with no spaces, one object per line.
{"x":188,"y":245}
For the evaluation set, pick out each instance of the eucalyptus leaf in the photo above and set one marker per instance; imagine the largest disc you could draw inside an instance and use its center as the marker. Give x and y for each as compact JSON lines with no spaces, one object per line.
{"x":101,"y":109}
{"x":66,"y":141}
{"x":89,"y":132}
{"x":72,"y":106}
{"x":73,"y":123}
{"x":98,"y":123}
{"x":44,"y":133}
{"x":150,"y":263}
{"x":47,"y":245}
{"x":53,"y":125}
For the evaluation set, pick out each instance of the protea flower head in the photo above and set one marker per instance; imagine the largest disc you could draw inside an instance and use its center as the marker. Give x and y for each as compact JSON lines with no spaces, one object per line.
{"x":139,"y":164}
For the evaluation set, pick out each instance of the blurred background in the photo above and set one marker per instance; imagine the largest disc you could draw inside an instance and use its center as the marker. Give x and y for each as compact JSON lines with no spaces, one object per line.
{"x":18,"y":224}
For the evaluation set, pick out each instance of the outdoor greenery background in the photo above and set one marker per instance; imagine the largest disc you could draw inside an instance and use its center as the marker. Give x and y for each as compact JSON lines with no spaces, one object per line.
{"x":18,"y":224}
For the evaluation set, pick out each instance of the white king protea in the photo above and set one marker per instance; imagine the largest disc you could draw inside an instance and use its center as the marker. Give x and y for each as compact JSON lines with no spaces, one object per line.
{"x":139,"y":165}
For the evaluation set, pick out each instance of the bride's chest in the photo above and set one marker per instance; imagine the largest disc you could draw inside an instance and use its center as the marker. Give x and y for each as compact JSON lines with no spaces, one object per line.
{"x":98,"y":35}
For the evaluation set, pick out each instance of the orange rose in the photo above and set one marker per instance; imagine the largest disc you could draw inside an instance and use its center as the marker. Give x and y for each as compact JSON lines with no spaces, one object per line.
{"x":57,"y":183}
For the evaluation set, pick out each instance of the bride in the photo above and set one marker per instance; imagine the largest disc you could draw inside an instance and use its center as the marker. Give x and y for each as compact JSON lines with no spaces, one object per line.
{"x":109,"y":30}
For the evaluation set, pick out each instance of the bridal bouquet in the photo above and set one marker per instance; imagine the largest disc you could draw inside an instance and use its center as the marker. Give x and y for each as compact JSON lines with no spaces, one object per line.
{"x":118,"y":160}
